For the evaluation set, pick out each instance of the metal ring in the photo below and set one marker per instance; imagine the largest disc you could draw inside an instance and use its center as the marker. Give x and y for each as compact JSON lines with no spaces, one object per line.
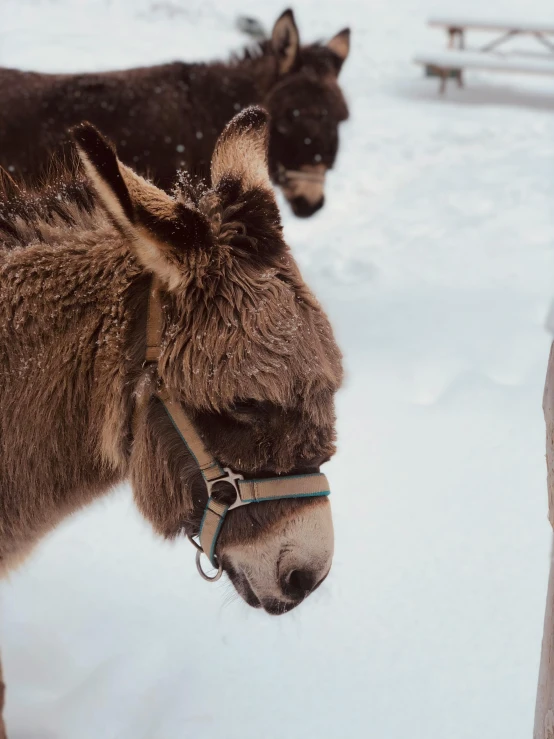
{"x":201,"y":571}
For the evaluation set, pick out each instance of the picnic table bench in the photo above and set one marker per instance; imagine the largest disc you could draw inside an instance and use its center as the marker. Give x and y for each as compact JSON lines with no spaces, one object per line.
{"x":457,"y":57}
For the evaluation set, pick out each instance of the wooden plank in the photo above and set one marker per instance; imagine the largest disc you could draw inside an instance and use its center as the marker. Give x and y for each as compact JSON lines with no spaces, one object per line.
{"x":455,"y":59}
{"x":483,"y":24}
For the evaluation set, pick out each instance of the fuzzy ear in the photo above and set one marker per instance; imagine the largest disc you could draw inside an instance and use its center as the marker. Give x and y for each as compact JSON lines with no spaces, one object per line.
{"x":159,"y":228}
{"x":285,"y":41}
{"x":340,"y":46}
{"x":241,"y":151}
{"x":102,"y":168}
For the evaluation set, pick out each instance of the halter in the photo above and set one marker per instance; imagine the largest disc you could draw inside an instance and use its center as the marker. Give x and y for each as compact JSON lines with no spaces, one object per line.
{"x":215,"y":476}
{"x":286,"y":175}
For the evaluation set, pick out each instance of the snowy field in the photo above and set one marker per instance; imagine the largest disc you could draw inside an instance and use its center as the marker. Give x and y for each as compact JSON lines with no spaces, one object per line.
{"x":435,"y":259}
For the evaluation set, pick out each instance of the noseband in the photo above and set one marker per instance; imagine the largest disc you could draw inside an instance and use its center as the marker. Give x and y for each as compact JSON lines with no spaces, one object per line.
{"x":284,"y":176}
{"x":219,"y":479}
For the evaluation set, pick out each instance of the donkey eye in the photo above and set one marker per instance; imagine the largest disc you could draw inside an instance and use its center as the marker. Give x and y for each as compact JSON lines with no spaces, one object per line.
{"x":251,"y":407}
{"x":247,"y":406}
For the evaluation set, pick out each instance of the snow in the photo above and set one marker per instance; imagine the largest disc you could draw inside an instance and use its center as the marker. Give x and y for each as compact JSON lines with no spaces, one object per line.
{"x":434,"y":258}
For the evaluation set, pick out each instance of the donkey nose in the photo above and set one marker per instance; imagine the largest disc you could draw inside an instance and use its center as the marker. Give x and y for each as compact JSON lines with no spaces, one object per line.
{"x":297,"y":584}
{"x":302,"y":207}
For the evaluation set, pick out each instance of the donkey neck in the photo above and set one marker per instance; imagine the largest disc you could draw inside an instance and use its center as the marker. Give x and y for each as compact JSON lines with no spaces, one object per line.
{"x":252,"y":75}
{"x":263,"y":71}
{"x":72,"y":341}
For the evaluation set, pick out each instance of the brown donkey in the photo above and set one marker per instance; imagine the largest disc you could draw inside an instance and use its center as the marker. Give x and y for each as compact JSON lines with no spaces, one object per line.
{"x":166,"y":117}
{"x":245,"y":352}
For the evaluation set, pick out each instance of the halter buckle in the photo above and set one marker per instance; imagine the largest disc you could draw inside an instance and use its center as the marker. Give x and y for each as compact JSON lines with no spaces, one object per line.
{"x":232,"y":478}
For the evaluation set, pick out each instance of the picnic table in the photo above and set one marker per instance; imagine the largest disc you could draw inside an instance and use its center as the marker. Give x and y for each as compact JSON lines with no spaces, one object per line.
{"x":457,"y":28}
{"x":458,"y":56}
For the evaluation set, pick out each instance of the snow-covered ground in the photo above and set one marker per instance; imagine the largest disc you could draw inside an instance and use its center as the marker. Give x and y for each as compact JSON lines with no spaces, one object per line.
{"x":435,"y":258}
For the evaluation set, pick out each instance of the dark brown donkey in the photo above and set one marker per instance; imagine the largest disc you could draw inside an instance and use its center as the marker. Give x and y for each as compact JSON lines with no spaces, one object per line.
{"x":166,"y":117}
{"x":245,"y":350}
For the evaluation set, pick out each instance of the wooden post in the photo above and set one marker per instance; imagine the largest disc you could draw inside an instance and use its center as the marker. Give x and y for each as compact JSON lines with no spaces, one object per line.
{"x":548,"y":410}
{"x":544,"y":708}
{"x":2,"y":727}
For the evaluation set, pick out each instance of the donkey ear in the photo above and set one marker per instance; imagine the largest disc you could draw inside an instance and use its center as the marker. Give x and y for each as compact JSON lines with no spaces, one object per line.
{"x":102,"y":168}
{"x":241,"y":151}
{"x":158,"y":227}
{"x":285,"y":41}
{"x":340,"y":46}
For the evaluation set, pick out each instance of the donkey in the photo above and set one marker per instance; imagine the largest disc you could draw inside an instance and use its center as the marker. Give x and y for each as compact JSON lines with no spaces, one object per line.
{"x":167,"y":117}
{"x":123,"y":311}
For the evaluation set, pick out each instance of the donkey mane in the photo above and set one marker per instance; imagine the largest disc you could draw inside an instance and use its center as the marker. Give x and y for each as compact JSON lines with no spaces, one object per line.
{"x":28,"y":214}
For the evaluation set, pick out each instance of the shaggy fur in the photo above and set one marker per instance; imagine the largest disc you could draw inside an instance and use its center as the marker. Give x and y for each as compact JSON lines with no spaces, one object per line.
{"x":168,"y":117}
{"x":246,"y":348}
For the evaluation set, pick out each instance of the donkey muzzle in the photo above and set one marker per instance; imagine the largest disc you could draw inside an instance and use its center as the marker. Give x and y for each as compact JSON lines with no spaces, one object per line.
{"x":303,"y":188}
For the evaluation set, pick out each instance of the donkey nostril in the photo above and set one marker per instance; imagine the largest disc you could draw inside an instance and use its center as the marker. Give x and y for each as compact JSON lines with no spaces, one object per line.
{"x":298,"y":583}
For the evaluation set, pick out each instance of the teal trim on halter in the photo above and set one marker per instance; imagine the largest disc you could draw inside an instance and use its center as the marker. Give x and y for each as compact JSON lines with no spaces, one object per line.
{"x":214,"y":465}
{"x":211,"y":555}
{"x":306,"y":485}
{"x":282,"y":477}
{"x":321,"y":494}
{"x":204,"y":517}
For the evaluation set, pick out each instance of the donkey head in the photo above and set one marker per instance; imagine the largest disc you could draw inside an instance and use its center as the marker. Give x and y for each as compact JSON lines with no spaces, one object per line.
{"x":247,"y":352}
{"x":306,"y":106}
